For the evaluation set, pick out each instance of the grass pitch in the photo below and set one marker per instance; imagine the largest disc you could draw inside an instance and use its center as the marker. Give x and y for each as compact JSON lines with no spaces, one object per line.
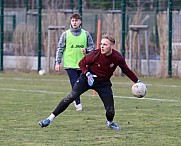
{"x":27,"y":98}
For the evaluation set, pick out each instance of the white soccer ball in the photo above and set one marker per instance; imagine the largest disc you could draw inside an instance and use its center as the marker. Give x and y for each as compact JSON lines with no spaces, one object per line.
{"x":42,"y":72}
{"x":139,"y":90}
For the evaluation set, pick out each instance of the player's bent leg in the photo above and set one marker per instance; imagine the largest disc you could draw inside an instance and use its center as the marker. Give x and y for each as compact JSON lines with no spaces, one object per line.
{"x":80,"y":87}
{"x":64,"y":103}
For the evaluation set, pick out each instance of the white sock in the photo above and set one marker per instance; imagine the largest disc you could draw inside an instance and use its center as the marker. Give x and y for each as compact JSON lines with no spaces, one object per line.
{"x":51,"y":117}
{"x":109,"y":122}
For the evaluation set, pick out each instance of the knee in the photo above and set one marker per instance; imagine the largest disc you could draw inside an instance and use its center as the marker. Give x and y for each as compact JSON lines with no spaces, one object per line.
{"x":110,"y":111}
{"x":71,"y":97}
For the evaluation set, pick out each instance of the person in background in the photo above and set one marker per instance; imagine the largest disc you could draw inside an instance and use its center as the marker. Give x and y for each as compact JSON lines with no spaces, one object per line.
{"x":73,"y":44}
{"x":97,"y":69}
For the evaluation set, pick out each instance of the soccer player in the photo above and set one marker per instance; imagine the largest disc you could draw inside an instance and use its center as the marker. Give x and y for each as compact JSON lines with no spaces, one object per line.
{"x":73,"y":44}
{"x":97,"y":68}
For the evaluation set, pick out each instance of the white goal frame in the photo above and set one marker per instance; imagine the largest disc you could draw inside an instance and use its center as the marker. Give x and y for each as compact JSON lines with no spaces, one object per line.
{"x":51,"y":28}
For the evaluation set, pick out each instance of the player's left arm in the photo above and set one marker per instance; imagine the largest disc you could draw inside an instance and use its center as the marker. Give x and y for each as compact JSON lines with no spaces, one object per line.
{"x":127,"y":71}
{"x":90,"y":43}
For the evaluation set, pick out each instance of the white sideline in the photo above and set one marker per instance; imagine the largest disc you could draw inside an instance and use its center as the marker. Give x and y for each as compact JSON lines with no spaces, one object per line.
{"x":52,"y":80}
{"x":151,"y":99}
{"x":58,"y":80}
{"x":30,"y":79}
{"x":126,"y":97}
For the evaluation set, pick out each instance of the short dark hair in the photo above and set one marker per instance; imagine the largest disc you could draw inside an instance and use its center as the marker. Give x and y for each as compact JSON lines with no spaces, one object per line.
{"x":109,"y":37}
{"x":76,"y":16}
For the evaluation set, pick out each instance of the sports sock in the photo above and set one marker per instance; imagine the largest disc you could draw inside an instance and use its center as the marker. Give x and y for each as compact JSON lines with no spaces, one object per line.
{"x":51,"y":117}
{"x":109,"y":122}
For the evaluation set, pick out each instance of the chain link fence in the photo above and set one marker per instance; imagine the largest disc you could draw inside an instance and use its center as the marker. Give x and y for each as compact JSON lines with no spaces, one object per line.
{"x":150,"y":25}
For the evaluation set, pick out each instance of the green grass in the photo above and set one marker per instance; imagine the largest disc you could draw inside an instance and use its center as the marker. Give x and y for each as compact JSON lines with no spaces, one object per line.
{"x":27,"y":98}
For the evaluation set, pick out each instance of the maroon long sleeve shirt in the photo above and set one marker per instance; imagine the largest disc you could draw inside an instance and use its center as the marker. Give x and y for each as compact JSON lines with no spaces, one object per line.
{"x":103,"y":66}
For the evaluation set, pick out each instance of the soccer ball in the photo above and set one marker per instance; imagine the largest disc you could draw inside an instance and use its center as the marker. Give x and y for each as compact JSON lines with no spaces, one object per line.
{"x":42,"y":72}
{"x":139,"y":90}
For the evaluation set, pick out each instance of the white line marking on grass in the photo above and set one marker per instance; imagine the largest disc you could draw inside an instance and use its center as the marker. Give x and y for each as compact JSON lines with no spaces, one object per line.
{"x":36,"y":91}
{"x":169,"y":86}
{"x":174,"y":86}
{"x":52,"y":92}
{"x":151,"y":99}
{"x":30,"y":79}
{"x":60,"y":80}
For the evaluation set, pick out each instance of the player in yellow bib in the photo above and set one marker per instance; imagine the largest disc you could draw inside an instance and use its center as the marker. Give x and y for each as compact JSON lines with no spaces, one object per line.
{"x":73,"y":51}
{"x":73,"y":44}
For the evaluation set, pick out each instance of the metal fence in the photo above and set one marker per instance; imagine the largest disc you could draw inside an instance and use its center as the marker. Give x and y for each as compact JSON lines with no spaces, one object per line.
{"x":146,"y":34}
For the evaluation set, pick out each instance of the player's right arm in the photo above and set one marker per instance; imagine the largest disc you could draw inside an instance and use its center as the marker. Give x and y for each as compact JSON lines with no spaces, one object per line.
{"x":60,"y":50}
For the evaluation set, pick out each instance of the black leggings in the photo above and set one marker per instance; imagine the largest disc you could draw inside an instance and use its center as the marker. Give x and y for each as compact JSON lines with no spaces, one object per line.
{"x":103,"y":89}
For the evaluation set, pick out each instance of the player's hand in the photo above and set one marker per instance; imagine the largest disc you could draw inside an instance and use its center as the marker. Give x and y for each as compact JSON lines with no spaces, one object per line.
{"x":57,"y":67}
{"x":90,"y":78}
{"x":83,"y":50}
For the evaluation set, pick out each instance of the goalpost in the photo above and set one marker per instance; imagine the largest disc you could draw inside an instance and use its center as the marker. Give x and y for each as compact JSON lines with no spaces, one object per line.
{"x":138,"y":28}
{"x":51,"y":28}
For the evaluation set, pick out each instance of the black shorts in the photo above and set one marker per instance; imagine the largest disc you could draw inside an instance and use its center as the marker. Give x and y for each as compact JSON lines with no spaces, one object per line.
{"x":103,"y":88}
